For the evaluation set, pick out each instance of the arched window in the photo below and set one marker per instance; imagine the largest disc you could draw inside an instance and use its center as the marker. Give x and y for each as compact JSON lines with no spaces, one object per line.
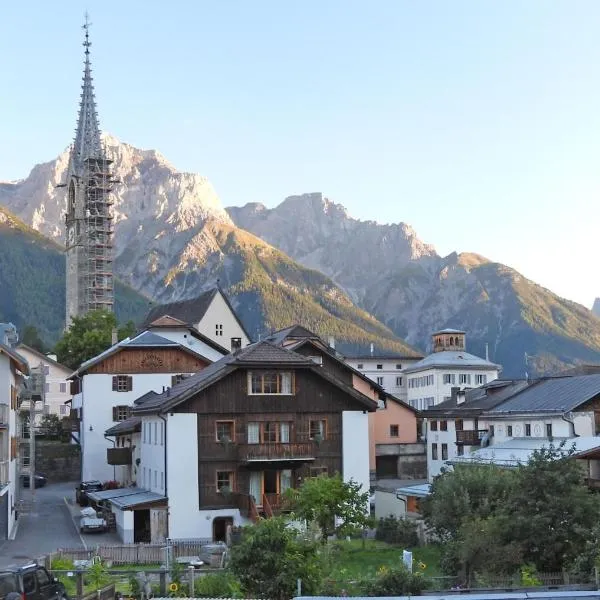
{"x":71,"y":197}
{"x":452,"y":341}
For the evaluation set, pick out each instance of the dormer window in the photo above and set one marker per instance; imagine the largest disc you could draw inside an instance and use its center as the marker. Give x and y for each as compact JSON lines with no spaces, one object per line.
{"x":270,"y":383}
{"x":219,"y":329}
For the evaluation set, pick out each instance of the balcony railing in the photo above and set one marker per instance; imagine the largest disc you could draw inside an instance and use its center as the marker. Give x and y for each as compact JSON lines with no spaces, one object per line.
{"x":470,"y":437}
{"x":118,"y":456}
{"x":4,"y":415}
{"x":270,"y":452}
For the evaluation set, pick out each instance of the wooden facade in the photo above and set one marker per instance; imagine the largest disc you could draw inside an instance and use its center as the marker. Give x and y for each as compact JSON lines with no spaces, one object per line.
{"x":149,"y":360}
{"x":299,"y":435}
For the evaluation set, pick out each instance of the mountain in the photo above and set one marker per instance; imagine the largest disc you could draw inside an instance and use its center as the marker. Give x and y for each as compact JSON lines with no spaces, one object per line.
{"x":32,"y":280}
{"x":173,"y":239}
{"x":596,"y":307}
{"x":403,"y":282}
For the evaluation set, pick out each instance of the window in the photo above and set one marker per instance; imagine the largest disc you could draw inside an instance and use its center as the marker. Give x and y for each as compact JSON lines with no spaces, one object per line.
{"x":549,"y":430}
{"x":464,"y":378}
{"x":359,"y":366}
{"x":47,"y":388}
{"x":46,"y":370}
{"x":155,"y":479}
{"x":149,"y":433}
{"x":225,"y":431}
{"x":398,"y":366}
{"x":155,"y":440}
{"x":224,"y":480}
{"x":144,"y":478}
{"x":449,"y":378}
{"x":42,"y":577}
{"x":434,"y":452}
{"x":527,"y":430}
{"x":122,"y":383}
{"x":460,"y":450}
{"x":317,"y":429}
{"x":316,"y":471}
{"x":219,"y":329}
{"x":64,"y":409}
{"x":120,"y":413}
{"x":433,"y":426}
{"x":444,"y":451}
{"x":269,"y":432}
{"x":398,"y":381}
{"x":379,"y":367}
{"x":443,"y":425}
{"x":162,"y":480}
{"x":63,"y":388}
{"x":509,"y":431}
{"x":459,"y":425}
{"x":175,"y":379}
{"x":271,"y":383}
{"x":394,"y":431}
{"x":29,"y":583}
{"x":481,"y":379}
{"x":318,"y":360}
{"x":380,"y":381}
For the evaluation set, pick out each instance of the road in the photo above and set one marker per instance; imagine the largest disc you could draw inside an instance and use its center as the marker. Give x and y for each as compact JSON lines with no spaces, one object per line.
{"x":49,"y":526}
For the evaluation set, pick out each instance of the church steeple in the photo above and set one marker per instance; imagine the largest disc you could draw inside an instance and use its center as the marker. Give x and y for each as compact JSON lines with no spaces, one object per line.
{"x":87,"y":136}
{"x":88,"y":219}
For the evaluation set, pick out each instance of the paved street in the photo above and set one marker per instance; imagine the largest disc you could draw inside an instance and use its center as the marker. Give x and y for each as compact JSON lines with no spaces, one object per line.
{"x":48,"y":527}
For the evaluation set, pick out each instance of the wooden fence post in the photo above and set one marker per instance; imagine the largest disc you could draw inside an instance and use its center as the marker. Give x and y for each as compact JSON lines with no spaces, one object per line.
{"x":80,"y":584}
{"x":163,"y":583}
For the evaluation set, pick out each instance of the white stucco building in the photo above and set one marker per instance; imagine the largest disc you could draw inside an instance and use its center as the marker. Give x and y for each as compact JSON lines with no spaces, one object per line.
{"x":57,"y":387}
{"x":106,"y":386}
{"x":12,"y":369}
{"x":430,"y":381}
{"x":221,"y":447}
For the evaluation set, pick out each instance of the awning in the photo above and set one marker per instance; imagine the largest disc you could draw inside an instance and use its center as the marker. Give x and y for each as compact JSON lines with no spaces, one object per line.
{"x":127,"y":498}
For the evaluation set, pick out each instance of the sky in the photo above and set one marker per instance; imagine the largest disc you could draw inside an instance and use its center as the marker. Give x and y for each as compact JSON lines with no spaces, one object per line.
{"x":476,"y":122}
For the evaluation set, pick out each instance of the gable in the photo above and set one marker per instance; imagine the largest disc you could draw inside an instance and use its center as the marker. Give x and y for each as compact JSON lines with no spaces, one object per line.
{"x":149,"y":360}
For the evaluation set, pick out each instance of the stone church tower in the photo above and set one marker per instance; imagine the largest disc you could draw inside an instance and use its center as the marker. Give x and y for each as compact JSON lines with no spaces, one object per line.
{"x":89,"y":224}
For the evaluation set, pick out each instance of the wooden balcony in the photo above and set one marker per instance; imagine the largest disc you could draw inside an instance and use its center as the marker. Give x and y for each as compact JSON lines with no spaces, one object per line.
{"x":470,"y":437}
{"x":296,"y":451}
{"x":118,"y":456}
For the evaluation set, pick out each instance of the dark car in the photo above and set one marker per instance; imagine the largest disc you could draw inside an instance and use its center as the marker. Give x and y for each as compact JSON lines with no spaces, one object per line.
{"x":82,"y":490}
{"x":39,"y":480}
{"x":31,"y":582}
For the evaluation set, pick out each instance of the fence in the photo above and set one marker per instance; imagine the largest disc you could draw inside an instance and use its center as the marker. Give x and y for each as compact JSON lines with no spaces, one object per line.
{"x":141,"y":554}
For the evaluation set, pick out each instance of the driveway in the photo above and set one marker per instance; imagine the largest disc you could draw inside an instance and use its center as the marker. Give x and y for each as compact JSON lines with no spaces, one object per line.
{"x":48,"y":527}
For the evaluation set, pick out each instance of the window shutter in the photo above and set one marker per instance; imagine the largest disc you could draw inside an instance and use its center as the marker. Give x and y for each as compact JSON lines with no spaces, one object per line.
{"x":114,"y":409}
{"x":129,"y":383}
{"x":115,"y":386}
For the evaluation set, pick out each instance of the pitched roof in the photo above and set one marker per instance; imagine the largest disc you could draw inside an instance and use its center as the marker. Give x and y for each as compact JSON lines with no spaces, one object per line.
{"x":130,"y":425}
{"x":191,"y":311}
{"x":552,"y":394}
{"x":479,"y":399}
{"x":448,"y":330}
{"x":43,"y":356}
{"x":258,"y":354}
{"x":451,"y":359}
{"x":145,"y":339}
{"x":167,"y":321}
{"x":293,"y":332}
{"x":16,"y":358}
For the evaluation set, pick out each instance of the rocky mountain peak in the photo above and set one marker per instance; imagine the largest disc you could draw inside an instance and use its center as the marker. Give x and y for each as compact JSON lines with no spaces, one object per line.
{"x":596,"y":307}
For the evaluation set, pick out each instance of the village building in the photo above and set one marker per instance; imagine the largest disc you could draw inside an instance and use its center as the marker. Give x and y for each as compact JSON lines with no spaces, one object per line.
{"x":430,"y":381}
{"x":221,"y":447}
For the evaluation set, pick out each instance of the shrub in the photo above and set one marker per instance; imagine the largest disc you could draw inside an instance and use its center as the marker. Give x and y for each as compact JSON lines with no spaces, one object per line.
{"x":395,"y":582}
{"x":397,"y":531}
{"x":217,"y":585}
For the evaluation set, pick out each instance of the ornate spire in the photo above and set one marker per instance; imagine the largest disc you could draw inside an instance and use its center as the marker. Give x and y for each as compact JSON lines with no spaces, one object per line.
{"x":87,"y":136}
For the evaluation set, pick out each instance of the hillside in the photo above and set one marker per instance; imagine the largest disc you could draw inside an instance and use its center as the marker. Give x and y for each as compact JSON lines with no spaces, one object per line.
{"x":32,"y":279}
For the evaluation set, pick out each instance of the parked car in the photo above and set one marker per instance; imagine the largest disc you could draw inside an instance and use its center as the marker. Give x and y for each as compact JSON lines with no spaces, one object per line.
{"x":31,"y":582}
{"x":81,"y":491}
{"x":39,"y":480}
{"x":90,"y":522}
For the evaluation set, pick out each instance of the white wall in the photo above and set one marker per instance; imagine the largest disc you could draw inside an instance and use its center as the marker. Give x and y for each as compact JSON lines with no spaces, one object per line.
{"x":355,"y":447}
{"x":124,"y":522}
{"x":98,"y":401}
{"x":434,"y":467}
{"x":7,"y":380}
{"x":188,"y":341}
{"x":388,"y":371}
{"x":185,"y":518}
{"x":218,"y":313}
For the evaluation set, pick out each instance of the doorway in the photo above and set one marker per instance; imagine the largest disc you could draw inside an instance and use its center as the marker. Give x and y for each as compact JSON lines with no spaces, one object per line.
{"x":141,"y":526}
{"x":271,"y":482}
{"x":220,"y":525}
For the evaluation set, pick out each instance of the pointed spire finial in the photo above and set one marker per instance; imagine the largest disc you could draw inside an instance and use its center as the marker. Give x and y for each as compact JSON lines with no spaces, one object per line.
{"x":86,"y":27}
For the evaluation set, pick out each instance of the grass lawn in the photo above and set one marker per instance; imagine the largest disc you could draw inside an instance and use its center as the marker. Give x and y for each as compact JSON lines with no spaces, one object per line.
{"x":348,"y":560}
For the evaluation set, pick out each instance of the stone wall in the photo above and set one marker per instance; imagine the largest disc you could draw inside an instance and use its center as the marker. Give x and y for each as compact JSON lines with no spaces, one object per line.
{"x":58,"y":461}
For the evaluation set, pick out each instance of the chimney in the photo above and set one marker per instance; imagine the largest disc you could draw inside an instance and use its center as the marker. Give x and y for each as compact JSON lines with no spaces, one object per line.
{"x":114,"y":336}
{"x":372,"y":348}
{"x":236,"y":344}
{"x":454,"y":394}
{"x":332,"y":342}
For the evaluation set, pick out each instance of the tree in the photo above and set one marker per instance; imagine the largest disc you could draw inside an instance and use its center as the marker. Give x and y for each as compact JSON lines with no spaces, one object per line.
{"x":51,"y":427}
{"x":31,"y":337}
{"x":551,"y":511}
{"x":88,"y":336}
{"x":270,"y":558}
{"x":336,"y":506}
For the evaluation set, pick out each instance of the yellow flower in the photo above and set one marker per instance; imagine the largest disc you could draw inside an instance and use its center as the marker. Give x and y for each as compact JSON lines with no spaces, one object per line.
{"x":422,"y":566}
{"x":173,"y":587}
